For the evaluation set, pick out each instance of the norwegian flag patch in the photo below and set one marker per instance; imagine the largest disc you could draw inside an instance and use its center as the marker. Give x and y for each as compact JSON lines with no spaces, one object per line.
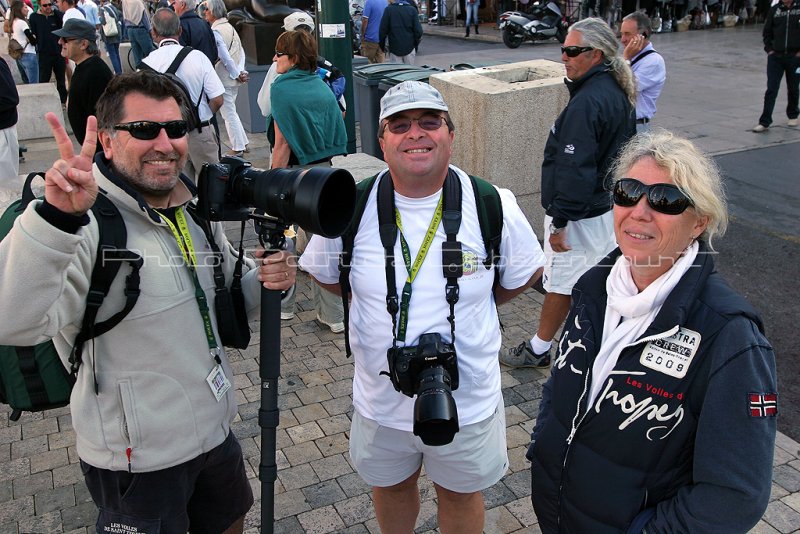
{"x":763,"y":404}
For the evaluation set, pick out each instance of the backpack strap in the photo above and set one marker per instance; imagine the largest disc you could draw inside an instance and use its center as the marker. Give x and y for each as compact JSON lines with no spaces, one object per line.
{"x":490,"y":218}
{"x":111,"y":253}
{"x":642,"y":56}
{"x":363,"y":189}
{"x":173,"y":69}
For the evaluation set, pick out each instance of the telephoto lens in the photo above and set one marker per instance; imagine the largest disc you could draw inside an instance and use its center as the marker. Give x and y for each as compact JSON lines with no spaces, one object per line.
{"x":435,"y":413}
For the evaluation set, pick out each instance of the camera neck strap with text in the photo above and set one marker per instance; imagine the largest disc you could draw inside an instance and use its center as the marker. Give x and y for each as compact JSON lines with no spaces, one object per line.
{"x":448,"y":213}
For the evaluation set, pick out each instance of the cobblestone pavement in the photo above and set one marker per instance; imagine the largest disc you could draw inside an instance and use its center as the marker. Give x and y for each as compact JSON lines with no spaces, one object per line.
{"x":317,"y":491}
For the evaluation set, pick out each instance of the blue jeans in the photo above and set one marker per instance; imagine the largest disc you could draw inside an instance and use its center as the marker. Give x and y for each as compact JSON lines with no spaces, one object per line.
{"x":777,"y":66}
{"x":472,"y":12}
{"x":30,"y":63}
{"x":141,"y":44}
{"x":113,"y":55}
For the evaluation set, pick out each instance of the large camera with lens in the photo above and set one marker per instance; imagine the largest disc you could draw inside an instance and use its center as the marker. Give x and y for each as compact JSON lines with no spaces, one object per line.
{"x":320,"y":200}
{"x":428,"y":370}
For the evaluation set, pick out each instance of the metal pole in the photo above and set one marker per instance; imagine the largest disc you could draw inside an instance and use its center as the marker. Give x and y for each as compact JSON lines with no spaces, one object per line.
{"x":335,"y":37}
{"x":269,"y":370}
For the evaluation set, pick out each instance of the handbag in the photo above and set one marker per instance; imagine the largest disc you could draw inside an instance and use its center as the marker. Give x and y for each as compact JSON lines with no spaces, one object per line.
{"x":15,"y":49}
{"x":110,"y":28}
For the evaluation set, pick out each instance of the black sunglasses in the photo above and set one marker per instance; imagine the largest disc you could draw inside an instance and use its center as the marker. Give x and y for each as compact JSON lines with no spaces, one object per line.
{"x":280,"y":54}
{"x":663,"y":198}
{"x":401,"y":125}
{"x":575,"y":51}
{"x":45,"y":5}
{"x":149,"y":130}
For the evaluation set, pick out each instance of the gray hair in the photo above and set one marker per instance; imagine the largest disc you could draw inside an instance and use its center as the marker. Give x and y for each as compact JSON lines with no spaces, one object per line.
{"x":643,"y":23}
{"x":91,"y":48}
{"x":597,"y":34}
{"x":190,"y":4}
{"x":166,"y":23}
{"x":218,"y":9}
{"x":695,"y":174}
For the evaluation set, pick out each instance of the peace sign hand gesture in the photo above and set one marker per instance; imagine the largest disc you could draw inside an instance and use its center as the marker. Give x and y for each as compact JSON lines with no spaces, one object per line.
{"x":69,"y":184}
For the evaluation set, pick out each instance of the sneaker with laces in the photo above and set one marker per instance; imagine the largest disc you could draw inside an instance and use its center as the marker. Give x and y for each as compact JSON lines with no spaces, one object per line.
{"x":336,"y":328}
{"x":792,"y":123}
{"x":760,"y":128}
{"x":523,"y":356}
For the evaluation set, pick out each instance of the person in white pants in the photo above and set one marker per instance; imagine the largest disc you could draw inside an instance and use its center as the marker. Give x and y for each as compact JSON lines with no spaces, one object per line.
{"x":230,"y":69}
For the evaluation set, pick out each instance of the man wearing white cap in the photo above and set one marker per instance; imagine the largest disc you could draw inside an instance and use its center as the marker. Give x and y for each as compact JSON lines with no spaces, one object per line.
{"x":392,"y":436}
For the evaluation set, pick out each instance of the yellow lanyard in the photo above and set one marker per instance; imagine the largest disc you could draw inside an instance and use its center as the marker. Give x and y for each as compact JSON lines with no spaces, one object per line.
{"x":182,"y":236}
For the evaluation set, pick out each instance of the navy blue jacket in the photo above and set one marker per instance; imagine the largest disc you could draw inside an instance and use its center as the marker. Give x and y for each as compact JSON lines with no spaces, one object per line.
{"x":400,"y":25}
{"x":583,"y":142}
{"x":196,"y":32}
{"x":9,"y":98}
{"x":43,"y":27}
{"x":782,"y":28}
{"x":681,"y":436}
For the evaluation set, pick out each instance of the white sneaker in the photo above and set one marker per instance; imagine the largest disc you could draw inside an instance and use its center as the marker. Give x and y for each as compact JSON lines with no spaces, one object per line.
{"x":287,"y":316}
{"x":336,"y":328}
{"x":792,"y":123}
{"x":760,"y":128}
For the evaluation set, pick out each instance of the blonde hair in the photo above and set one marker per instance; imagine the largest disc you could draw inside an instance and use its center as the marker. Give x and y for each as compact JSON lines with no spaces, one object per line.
{"x":695,"y":174}
{"x":597,"y":34}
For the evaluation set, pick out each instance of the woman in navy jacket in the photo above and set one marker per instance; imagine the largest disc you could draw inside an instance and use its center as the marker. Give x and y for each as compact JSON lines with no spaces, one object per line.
{"x":659,"y":415}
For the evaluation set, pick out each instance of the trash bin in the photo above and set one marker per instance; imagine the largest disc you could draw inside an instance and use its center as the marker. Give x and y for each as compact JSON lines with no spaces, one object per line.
{"x":367,"y":98}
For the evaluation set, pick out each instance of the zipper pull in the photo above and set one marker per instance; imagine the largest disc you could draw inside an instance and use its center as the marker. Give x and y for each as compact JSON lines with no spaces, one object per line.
{"x":128,"y":452}
{"x":569,"y":438}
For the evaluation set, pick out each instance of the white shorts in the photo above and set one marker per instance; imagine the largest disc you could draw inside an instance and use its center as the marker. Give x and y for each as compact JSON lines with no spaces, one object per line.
{"x":591,"y":241}
{"x":475,"y":460}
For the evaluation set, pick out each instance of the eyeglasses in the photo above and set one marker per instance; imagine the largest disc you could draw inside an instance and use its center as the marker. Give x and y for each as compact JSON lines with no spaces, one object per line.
{"x":149,"y":130}
{"x":401,"y":125}
{"x":663,"y":198}
{"x":280,"y":54}
{"x":45,"y":5}
{"x":575,"y":51}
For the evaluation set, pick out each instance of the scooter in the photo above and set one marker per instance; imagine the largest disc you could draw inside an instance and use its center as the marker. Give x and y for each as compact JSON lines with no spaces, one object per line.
{"x":543,"y":22}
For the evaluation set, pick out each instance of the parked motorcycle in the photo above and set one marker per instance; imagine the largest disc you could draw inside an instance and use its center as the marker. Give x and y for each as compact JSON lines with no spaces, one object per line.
{"x":542,"y":22}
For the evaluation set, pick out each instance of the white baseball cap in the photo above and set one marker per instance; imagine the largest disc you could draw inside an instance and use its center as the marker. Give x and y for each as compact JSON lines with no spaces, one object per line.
{"x":411,"y":95}
{"x":298,"y":18}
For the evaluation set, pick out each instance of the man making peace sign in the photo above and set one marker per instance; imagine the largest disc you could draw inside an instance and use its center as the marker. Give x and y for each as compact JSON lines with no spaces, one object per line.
{"x":150,"y":409}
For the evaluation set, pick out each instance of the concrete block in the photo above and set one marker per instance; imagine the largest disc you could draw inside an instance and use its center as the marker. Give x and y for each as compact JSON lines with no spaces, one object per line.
{"x":503,"y":115}
{"x":35,"y":100}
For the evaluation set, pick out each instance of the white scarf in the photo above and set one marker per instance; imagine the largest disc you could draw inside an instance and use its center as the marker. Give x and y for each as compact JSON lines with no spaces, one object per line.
{"x":629,"y":312}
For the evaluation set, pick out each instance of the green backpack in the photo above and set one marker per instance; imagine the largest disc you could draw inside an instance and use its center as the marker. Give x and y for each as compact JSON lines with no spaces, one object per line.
{"x":490,"y":219}
{"x":34,"y":378}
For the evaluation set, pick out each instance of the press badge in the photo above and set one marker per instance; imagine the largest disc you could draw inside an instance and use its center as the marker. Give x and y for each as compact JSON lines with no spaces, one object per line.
{"x":218,"y":382}
{"x":671,"y":355}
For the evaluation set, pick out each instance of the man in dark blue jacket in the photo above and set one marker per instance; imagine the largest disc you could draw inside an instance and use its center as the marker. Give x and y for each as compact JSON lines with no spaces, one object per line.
{"x":195,"y":32}
{"x":400,"y":25}
{"x":782,"y":45}
{"x":582,"y":143}
{"x":43,"y":23}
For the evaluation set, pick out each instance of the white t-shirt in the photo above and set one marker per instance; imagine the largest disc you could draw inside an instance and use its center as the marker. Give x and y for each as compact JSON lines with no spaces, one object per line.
{"x":477,"y":328}
{"x":73,"y":13}
{"x":18,"y":28}
{"x":196,"y":72}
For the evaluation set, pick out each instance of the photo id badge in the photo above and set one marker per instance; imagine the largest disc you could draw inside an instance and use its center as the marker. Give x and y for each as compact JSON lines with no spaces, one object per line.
{"x":671,"y":355}
{"x":218,"y":382}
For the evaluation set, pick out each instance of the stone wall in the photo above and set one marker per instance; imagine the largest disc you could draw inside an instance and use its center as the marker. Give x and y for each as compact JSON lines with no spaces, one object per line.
{"x":503,"y":115}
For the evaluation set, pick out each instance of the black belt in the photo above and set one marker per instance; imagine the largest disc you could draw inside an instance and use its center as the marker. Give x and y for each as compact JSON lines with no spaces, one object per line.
{"x":642,"y":121}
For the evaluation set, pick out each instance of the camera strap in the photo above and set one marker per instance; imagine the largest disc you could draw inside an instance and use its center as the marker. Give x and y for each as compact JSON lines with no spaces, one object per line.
{"x":448,"y":213}
{"x":180,"y":230}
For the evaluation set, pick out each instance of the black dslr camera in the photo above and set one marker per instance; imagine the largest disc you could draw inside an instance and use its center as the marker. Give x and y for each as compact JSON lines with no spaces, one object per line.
{"x":320,"y":199}
{"x":428,"y":370}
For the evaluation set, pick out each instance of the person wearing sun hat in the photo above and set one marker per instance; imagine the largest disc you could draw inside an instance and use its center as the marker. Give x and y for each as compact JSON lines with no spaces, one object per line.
{"x":416,"y":135}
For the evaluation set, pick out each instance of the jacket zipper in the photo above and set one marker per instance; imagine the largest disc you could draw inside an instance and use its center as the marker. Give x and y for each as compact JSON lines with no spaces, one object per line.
{"x":571,"y":436}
